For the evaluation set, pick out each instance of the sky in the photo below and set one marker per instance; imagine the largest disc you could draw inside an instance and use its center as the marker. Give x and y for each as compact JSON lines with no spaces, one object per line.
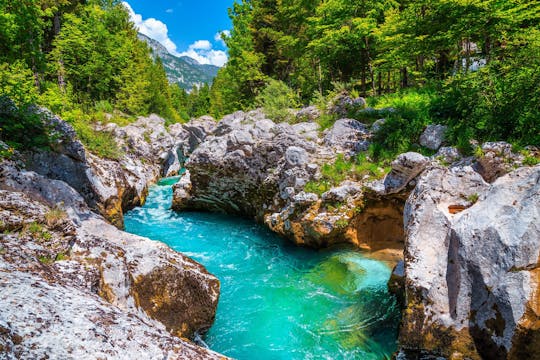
{"x":185,"y":27}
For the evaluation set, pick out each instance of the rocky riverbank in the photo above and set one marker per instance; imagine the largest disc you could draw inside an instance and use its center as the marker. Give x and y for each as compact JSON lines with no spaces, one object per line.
{"x":72,"y":284}
{"x":463,"y":231}
{"x":467,"y":226}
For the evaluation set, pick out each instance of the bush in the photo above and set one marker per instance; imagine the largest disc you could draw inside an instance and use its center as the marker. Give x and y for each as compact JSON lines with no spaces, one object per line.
{"x":100,"y":143}
{"x":411,"y":112}
{"x":17,"y":83}
{"x":500,"y":101}
{"x":21,"y":128}
{"x":277,"y":100}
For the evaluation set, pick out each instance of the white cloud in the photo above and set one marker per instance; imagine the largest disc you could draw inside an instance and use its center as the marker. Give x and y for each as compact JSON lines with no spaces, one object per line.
{"x":200,"y":50}
{"x":169,"y":11}
{"x":152,"y":28}
{"x":201,"y":45}
{"x":218,"y":35}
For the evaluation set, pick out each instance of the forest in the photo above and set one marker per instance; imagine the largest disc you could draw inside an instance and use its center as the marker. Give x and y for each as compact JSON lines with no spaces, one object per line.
{"x":473,"y":65}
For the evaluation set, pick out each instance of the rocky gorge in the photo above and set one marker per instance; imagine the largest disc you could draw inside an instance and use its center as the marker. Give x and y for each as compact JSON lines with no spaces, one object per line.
{"x":462,"y":231}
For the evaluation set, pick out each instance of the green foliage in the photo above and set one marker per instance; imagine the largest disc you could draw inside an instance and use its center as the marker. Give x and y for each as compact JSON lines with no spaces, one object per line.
{"x":473,"y":198}
{"x":359,"y":168}
{"x":500,"y":101}
{"x":100,"y":143}
{"x":21,"y":128}
{"x":277,"y":100}
{"x":404,"y":124}
{"x":17,"y":82}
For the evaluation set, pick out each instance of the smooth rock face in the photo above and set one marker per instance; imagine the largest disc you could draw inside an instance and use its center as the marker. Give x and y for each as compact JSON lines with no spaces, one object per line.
{"x":433,"y":136}
{"x":471,"y":261}
{"x":78,"y":271}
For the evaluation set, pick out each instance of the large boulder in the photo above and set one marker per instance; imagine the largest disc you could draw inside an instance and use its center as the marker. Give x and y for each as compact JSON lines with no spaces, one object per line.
{"x":433,"y":136}
{"x":43,"y":318}
{"x":494,"y":159}
{"x":471,"y":264}
{"x":405,"y":168}
{"x":348,"y":136}
{"x":244,"y":166}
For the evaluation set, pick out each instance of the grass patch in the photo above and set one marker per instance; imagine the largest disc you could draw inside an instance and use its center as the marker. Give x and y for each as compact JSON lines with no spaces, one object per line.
{"x":55,"y":216}
{"x":100,"y":143}
{"x":358,"y":168}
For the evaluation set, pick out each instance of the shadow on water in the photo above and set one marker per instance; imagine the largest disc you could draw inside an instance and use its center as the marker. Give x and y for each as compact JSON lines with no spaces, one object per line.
{"x":278,"y":301}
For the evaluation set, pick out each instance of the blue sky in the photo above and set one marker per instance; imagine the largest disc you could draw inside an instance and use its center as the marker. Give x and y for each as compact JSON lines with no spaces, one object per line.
{"x":185,"y":27}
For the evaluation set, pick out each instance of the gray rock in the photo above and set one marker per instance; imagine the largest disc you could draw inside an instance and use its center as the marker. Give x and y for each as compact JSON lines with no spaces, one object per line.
{"x":433,"y":136}
{"x":303,"y":198}
{"x":496,"y":160}
{"x":296,"y":156}
{"x":308,"y":130}
{"x":77,"y":254}
{"x":41,"y":318}
{"x":196,"y":131}
{"x":404,"y":169}
{"x":448,"y":155}
{"x":308,"y":113}
{"x":342,"y":193}
{"x":348,"y":136}
{"x":181,"y":192}
{"x":343,"y":105}
{"x":471,"y":262}
{"x":377,"y":125}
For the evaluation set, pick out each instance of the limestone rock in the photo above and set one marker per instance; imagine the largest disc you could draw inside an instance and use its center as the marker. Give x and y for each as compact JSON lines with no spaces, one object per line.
{"x":448,"y":155}
{"x":308,"y":113}
{"x":308,"y":130}
{"x":247,"y":165}
{"x":496,"y":160}
{"x":343,"y":105}
{"x":471,"y":259}
{"x":182,"y":192}
{"x":404,"y":169}
{"x":41,"y":318}
{"x":52,"y":236}
{"x":109,"y":186}
{"x":348,"y":136}
{"x":433,"y":136}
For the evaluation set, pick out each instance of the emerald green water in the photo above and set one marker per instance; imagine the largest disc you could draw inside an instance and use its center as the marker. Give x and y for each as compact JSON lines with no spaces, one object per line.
{"x":278,"y":301}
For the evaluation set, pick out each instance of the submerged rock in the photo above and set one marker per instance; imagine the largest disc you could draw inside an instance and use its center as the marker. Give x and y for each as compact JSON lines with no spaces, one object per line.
{"x":471,"y":261}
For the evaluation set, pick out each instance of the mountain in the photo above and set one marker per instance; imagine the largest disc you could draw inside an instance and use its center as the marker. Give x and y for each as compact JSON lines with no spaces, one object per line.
{"x":183,"y":70}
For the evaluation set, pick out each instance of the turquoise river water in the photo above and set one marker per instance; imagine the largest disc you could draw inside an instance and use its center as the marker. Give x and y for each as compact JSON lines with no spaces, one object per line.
{"x":278,"y":301}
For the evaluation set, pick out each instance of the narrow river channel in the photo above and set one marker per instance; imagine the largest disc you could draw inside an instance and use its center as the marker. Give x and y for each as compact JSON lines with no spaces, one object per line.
{"x":278,"y":301}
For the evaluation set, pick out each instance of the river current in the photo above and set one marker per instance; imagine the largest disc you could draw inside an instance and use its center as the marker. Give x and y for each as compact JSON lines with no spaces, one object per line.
{"x":278,"y":301}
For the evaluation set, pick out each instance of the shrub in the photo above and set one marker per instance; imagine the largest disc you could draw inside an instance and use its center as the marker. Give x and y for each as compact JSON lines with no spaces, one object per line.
{"x":500,"y":101}
{"x":404,"y":124}
{"x":21,"y":128}
{"x":55,"y":216}
{"x":17,"y":82}
{"x":277,"y":100}
{"x":101,"y":143}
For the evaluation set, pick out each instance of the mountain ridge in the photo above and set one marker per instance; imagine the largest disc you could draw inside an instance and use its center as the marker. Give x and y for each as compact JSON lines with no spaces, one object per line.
{"x":185,"y":71}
